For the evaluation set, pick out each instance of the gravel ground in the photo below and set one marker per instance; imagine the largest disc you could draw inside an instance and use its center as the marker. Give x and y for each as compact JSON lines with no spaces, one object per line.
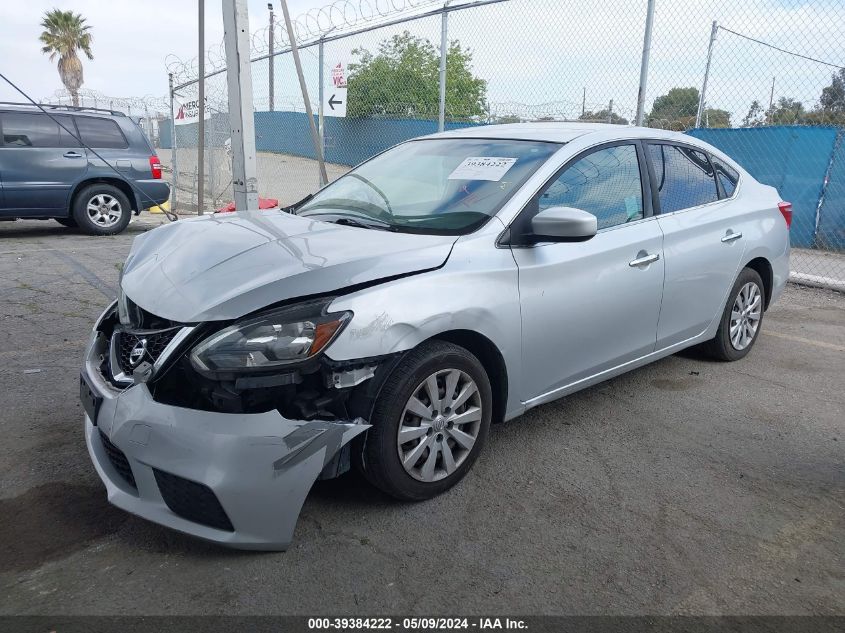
{"x":686,"y":487}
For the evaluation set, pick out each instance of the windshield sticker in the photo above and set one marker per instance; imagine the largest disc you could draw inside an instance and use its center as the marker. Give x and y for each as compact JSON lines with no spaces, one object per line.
{"x":482,"y":168}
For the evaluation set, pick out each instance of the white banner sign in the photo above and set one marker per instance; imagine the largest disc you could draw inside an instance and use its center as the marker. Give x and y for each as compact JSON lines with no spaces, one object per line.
{"x":334,"y":95}
{"x":188,"y":111}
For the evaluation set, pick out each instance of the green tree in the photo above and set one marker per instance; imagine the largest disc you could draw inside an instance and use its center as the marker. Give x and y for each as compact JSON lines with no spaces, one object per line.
{"x":402,"y":79}
{"x":754,"y":116}
{"x":602,"y":116}
{"x":832,"y":99}
{"x":678,"y":106}
{"x":677,"y":109}
{"x":786,"y":111}
{"x":65,"y":33}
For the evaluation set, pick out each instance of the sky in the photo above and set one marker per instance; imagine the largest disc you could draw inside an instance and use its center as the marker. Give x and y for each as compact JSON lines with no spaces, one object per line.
{"x":537,"y":55}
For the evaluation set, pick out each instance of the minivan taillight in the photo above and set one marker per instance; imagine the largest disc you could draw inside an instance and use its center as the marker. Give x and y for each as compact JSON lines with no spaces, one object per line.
{"x":155,"y":166}
{"x":786,"y":212}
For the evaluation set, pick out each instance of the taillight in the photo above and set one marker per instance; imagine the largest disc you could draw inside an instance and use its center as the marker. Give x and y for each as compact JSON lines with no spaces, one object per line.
{"x":786,"y":212}
{"x":155,"y":167}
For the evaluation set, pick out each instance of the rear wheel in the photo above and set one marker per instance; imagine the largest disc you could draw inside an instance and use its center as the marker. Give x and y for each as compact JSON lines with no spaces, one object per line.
{"x":742,"y":318}
{"x":101,"y":209}
{"x":430,"y":422}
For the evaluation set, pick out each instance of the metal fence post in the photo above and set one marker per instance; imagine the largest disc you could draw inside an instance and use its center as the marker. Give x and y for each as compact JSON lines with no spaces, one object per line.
{"x":241,"y":117}
{"x":201,"y":104}
{"x":173,"y":163}
{"x":321,"y":61}
{"x":444,"y":49}
{"x":270,"y":59}
{"x":649,"y":23}
{"x":703,"y":96}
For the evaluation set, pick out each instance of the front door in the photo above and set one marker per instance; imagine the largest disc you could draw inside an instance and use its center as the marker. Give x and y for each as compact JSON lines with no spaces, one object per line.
{"x":40,"y":163}
{"x":590,"y":306}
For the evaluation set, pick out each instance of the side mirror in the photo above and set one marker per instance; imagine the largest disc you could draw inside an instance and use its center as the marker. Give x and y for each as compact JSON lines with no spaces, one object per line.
{"x":563,"y":224}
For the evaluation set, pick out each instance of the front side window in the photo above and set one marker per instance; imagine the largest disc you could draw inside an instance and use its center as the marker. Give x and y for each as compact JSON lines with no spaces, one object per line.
{"x":606,"y":183}
{"x":100,"y":133}
{"x":25,"y":129}
{"x":684,"y":177}
{"x":440,"y":186}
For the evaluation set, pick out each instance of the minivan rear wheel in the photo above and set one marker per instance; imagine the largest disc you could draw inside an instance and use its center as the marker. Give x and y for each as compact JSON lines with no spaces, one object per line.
{"x":101,"y":209}
{"x":430,"y":422}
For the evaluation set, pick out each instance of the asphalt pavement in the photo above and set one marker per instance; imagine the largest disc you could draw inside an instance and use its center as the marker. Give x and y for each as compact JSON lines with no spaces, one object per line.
{"x":686,"y":487}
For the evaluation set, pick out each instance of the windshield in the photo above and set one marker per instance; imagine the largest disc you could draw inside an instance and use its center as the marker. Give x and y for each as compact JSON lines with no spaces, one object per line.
{"x":441,"y":186}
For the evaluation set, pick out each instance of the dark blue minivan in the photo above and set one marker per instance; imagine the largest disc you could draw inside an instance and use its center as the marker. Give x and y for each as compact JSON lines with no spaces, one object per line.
{"x":52,"y":171}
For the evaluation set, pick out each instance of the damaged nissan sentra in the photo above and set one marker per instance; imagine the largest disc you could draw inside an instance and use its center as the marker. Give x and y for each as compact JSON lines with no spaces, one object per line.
{"x":384,"y":322}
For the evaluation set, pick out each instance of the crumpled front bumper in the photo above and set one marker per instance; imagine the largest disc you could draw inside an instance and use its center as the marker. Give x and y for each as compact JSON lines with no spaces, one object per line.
{"x":259,"y":467}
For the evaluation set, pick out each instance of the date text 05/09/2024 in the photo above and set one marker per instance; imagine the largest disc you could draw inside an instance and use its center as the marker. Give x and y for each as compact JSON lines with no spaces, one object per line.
{"x":416,"y":624}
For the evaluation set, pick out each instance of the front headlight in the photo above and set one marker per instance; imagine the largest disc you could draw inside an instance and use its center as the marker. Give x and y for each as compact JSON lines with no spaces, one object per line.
{"x":269,"y":341}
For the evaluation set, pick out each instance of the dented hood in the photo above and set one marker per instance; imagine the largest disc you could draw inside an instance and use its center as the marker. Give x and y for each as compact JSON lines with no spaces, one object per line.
{"x":223,"y":267}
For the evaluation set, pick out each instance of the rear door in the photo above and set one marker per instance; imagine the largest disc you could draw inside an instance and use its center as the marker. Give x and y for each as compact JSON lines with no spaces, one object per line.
{"x":590,"y":306}
{"x":105,"y":137}
{"x":703,"y":243}
{"x":40,"y":163}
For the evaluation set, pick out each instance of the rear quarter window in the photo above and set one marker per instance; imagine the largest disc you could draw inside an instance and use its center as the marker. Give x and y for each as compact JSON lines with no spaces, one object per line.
{"x":101,"y":133}
{"x":727,"y":176}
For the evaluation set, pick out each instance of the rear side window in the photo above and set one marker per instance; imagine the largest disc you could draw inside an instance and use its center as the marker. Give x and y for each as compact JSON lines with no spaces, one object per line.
{"x":101,"y":133}
{"x":25,"y":129}
{"x":684,"y":177}
{"x":727,"y":175}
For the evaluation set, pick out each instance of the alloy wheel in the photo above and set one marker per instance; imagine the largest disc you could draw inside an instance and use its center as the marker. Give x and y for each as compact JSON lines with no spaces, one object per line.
{"x":745,"y":316}
{"x":439,"y":425}
{"x":104,"y":210}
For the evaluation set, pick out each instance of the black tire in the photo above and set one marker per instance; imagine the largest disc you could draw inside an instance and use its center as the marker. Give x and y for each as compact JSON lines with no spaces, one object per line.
{"x":721,"y":347}
{"x":88,"y":194}
{"x":68,"y":222}
{"x":379,"y":458}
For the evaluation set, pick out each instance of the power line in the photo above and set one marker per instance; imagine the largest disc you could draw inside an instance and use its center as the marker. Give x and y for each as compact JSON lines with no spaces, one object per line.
{"x":782,"y":50}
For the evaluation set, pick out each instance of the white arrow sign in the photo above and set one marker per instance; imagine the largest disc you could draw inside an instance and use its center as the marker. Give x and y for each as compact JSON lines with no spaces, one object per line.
{"x":334,"y":102}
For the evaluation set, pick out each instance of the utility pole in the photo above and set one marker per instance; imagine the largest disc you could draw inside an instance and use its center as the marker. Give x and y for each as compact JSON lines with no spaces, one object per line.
{"x":173,"y":163}
{"x":714,"y":29}
{"x":649,"y":23}
{"x":201,"y":106}
{"x":772,"y":96}
{"x":444,"y":49}
{"x":610,"y":112}
{"x":584,"y":103}
{"x":294,"y":49}
{"x":270,"y":59}
{"x":241,"y":116}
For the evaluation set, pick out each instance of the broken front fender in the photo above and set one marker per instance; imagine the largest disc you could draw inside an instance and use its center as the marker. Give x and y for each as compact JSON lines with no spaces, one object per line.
{"x":235,"y":479}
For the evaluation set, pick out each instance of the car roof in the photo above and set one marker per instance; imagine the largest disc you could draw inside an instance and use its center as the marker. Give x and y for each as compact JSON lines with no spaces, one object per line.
{"x":557,"y":131}
{"x":52,"y":108}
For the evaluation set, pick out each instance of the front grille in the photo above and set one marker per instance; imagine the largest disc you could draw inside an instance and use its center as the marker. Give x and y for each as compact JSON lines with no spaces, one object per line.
{"x":118,"y":460}
{"x":127,"y":341}
{"x":192,"y":501}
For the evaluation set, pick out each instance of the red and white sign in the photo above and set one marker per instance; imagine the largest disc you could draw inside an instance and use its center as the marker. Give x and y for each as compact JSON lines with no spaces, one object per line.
{"x":334,"y":95}
{"x":188,"y":111}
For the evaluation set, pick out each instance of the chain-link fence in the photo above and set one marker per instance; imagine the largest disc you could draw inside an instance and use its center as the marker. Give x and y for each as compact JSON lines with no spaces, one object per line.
{"x":763,"y":80}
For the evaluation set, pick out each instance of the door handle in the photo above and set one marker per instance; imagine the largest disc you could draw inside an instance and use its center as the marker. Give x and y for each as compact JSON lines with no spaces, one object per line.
{"x":643,"y":259}
{"x":730,"y":237}
{"x":72,"y":154}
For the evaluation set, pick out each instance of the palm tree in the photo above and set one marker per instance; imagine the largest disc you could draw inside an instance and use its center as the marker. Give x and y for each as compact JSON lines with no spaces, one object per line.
{"x":64,"y":34}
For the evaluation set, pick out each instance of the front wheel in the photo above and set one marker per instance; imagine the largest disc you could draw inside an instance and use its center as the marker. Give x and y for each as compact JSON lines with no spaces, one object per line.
{"x":742,"y":318}
{"x":430,"y":422}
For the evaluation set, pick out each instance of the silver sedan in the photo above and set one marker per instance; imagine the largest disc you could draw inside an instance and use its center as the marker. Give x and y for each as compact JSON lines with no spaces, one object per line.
{"x":385,"y":322}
